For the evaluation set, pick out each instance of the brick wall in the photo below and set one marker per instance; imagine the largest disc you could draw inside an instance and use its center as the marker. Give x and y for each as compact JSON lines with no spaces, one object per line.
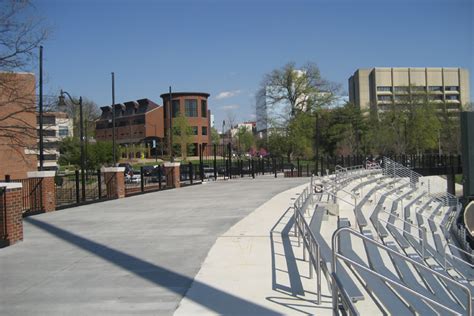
{"x":11,"y":211}
{"x":17,"y":111}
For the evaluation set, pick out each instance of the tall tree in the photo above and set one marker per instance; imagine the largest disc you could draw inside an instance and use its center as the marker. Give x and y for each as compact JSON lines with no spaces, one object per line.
{"x":245,"y":139}
{"x":183,"y":136}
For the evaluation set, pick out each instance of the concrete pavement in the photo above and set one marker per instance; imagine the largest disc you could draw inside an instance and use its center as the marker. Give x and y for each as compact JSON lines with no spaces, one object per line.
{"x":137,"y":255}
{"x":259,"y":261}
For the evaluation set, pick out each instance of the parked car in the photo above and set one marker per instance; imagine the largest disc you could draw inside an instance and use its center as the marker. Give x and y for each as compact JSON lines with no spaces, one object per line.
{"x":128,"y":168}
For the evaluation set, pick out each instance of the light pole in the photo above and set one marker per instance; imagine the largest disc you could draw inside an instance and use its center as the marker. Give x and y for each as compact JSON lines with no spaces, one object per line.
{"x":113,"y":120}
{"x":62,"y":103}
{"x":41,"y":144}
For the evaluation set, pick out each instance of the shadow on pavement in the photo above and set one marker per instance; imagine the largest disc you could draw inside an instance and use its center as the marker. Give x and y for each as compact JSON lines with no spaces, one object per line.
{"x":165,"y":278}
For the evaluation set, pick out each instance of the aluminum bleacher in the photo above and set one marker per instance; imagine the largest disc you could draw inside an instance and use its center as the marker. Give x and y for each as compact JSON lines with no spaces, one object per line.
{"x":406,"y":259}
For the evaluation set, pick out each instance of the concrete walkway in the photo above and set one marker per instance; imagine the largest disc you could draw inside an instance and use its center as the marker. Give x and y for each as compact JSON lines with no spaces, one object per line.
{"x":258,"y":261}
{"x":137,"y":255}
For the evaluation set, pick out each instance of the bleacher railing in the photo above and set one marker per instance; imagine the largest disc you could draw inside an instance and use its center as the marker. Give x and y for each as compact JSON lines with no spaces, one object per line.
{"x":337,"y":255}
{"x":303,"y":232}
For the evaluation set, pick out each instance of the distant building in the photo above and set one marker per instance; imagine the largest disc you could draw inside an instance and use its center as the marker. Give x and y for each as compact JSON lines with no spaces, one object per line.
{"x":18,"y":135}
{"x":56,"y":127}
{"x":249,"y":126}
{"x":136,"y":122}
{"x":375,"y":88}
{"x":195,"y":108}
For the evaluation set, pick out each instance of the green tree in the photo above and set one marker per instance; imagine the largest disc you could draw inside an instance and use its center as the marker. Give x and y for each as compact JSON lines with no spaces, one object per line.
{"x":245,"y":139}
{"x":183,"y":136}
{"x":215,"y":138}
{"x":294,"y":96}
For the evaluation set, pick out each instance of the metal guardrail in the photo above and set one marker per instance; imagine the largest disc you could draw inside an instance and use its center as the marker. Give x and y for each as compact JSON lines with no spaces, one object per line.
{"x":336,"y":255}
{"x":302,"y":231}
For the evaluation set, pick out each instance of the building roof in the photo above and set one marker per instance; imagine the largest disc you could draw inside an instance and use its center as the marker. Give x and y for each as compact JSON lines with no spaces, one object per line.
{"x":55,"y":114}
{"x":185,"y":94}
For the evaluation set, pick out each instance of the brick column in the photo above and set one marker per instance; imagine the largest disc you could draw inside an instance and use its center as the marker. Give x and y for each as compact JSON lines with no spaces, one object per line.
{"x":115,"y":181}
{"x":11,"y":219}
{"x":172,"y":174}
{"x":48,"y":188}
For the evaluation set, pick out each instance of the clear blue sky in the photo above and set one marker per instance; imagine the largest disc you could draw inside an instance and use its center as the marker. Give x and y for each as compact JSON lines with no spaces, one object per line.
{"x":227,"y":46}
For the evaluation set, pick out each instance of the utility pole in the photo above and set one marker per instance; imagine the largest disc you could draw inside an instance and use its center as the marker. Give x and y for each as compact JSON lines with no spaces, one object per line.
{"x":113,"y":119}
{"x":41,"y":144}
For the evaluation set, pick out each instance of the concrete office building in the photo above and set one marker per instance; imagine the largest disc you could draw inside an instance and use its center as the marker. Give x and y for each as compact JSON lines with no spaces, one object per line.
{"x":375,"y":88}
{"x":56,"y":127}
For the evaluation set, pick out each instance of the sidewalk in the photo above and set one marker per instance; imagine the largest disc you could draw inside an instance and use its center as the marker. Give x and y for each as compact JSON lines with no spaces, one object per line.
{"x":258,"y":261}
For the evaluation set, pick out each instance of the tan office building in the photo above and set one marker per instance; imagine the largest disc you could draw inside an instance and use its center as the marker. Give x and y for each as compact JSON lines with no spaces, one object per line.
{"x":376,"y":88}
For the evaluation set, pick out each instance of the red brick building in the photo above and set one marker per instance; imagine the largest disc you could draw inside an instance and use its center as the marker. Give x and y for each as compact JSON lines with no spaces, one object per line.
{"x":18,"y":133}
{"x":136,"y":122}
{"x":195,"y":108}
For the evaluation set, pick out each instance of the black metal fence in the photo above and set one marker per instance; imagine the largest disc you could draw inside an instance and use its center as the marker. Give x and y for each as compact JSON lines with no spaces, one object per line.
{"x":145,"y":180}
{"x":32,"y":194}
{"x":71,"y":192}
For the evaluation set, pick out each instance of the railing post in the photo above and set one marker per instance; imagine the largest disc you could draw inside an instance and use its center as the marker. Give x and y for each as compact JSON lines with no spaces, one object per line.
{"x":78,"y":197}
{"x":215,"y":162}
{"x":99,"y":183}
{"x":274,"y":167}
{"x":160,"y":174}
{"x":190,"y":172}
{"x":253,"y":169}
{"x":142,"y":180}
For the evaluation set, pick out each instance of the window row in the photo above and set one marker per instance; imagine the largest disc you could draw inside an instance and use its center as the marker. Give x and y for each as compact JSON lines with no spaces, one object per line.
{"x":435,"y":97}
{"x":190,"y":108}
{"x":416,"y":88}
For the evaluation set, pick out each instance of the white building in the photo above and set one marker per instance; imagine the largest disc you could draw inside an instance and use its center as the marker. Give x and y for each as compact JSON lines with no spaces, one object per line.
{"x":56,"y":127}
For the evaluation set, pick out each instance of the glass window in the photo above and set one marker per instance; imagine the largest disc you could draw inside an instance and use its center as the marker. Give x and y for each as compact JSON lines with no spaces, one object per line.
{"x":63,"y":131}
{"x":190,"y":107}
{"x":203,"y":108}
{"x":48,"y":133}
{"x":438,"y":97}
{"x":452,"y":97}
{"x":401,"y":89}
{"x":451,"y":88}
{"x":384,"y":98}
{"x":384,"y":88}
{"x":47,"y":120}
{"x":175,"y":104}
{"x":195,"y":130}
{"x":418,"y":89}
{"x":204,"y":130}
{"x":435,"y":88}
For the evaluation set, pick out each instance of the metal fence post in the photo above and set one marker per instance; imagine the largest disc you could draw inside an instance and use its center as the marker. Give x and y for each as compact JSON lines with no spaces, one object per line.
{"x":159,"y":177}
{"x":274,"y":167}
{"x":253,"y":169}
{"x":215,"y":162}
{"x":142,"y":180}
{"x":99,"y":183}
{"x":298,"y":167}
{"x":78,"y":198}
{"x":190,"y":172}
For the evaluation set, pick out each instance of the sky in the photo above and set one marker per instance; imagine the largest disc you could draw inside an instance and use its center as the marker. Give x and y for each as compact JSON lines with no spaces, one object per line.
{"x":226,"y":47}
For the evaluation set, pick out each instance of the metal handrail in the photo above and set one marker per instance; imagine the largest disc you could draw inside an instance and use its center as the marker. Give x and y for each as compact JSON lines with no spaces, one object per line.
{"x":447,"y":244}
{"x":336,"y":255}
{"x":309,"y":241}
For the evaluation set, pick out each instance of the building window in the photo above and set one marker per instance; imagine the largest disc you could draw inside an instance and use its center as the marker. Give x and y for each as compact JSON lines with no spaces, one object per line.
{"x":418,"y":89}
{"x":384,"y":88}
{"x":195,"y":130}
{"x":63,"y":131}
{"x":190,"y":107}
{"x":204,"y":130}
{"x":203,"y":108}
{"x":48,"y":157}
{"x":47,"y":120}
{"x":50,"y":145}
{"x":435,"y":88}
{"x":139,"y":120}
{"x":401,"y":98}
{"x":384,"y":98}
{"x":175,"y":105}
{"x":452,"y":97}
{"x":48,"y":133}
{"x":401,"y":89}
{"x":451,"y":88}
{"x":436,"y":97}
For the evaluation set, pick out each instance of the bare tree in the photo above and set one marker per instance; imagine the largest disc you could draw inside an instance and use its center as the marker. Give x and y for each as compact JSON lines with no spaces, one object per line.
{"x":21,"y":32}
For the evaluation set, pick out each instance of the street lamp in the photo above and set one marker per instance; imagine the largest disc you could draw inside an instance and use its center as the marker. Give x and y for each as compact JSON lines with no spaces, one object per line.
{"x":62,"y":103}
